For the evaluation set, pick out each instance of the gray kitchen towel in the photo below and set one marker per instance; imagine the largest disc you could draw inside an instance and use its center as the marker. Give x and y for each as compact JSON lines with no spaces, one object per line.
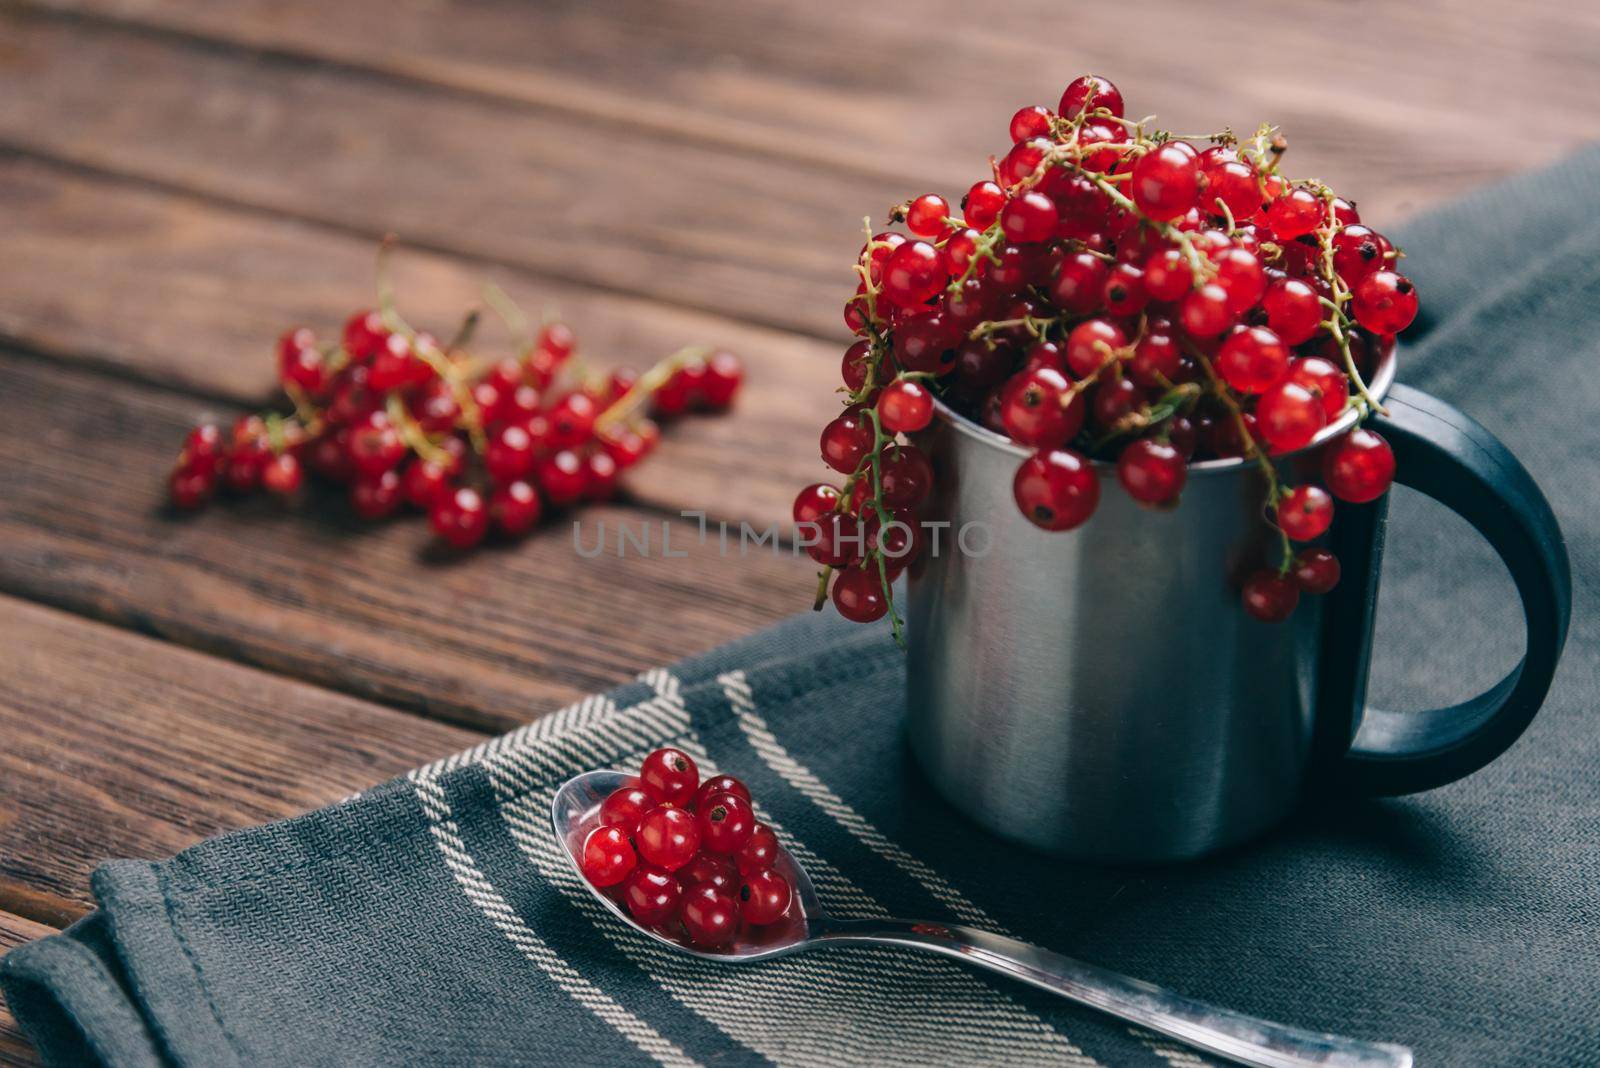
{"x":431,"y":920}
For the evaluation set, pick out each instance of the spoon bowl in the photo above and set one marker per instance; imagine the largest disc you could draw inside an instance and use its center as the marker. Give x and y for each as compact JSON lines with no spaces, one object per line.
{"x":1245,"y":1039}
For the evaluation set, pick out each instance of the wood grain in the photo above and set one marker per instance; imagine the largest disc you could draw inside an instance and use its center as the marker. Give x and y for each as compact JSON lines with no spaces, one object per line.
{"x":193,"y":295}
{"x":492,"y":638}
{"x":143,"y":748}
{"x":1392,"y":99}
{"x":14,"y":1048}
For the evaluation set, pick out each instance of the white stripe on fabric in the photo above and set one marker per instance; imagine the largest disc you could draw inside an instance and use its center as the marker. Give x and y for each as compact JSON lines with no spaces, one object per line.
{"x":481,"y":893}
{"x":1178,"y":1058}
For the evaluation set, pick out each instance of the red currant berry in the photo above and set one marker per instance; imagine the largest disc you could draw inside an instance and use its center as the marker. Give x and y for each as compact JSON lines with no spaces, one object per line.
{"x":1294,"y":312}
{"x":376,"y":496}
{"x":1092,"y":344}
{"x":1252,"y":359}
{"x":670,"y":775}
{"x":1358,"y":251}
{"x":1045,"y":354}
{"x":764,"y":897}
{"x":1166,"y":181}
{"x":1029,"y":218}
{"x":925,"y":216}
{"x":905,"y":406}
{"x":1039,"y":409}
{"x":845,"y":441}
{"x":719,"y":784}
{"x":925,"y":344}
{"x":1153,"y":472}
{"x":364,"y":334}
{"x":1113,"y":399}
{"x":375,"y":445}
{"x":668,"y":837}
{"x":562,"y":476}
{"x":1080,"y":283}
{"x":300,"y":364}
{"x":981,"y":206}
{"x":515,"y":508}
{"x":1125,"y":294}
{"x":1385,"y":302}
{"x":856,"y":365}
{"x":1305,"y":512}
{"x":393,"y":365}
{"x":1091,"y":90}
{"x":837,"y":540}
{"x":1205,"y":312}
{"x":282,"y":474}
{"x":1270,"y":597}
{"x":599,"y":476}
{"x":1315,"y":570}
{"x":1325,"y":381}
{"x":1167,"y":275}
{"x":719,"y":872}
{"x":572,"y":419}
{"x":1056,"y":489}
{"x":726,"y":823}
{"x":190,"y":487}
{"x":459,"y":517}
{"x":1031,"y":121}
{"x":709,"y":916}
{"x":814,"y":502}
{"x":652,"y":895}
{"x":761,"y":851}
{"x":509,"y":455}
{"x":625,"y":806}
{"x":905,"y":475}
{"x":914,"y":274}
{"x":858,"y":595}
{"x":608,"y":856}
{"x":1022,"y":161}
{"x":558,"y":340}
{"x":1289,"y":416}
{"x":1231,"y":180}
{"x":1297,"y":212}
{"x":1359,"y":467}
{"x":1241,"y":276}
{"x":724,"y":375}
{"x":1156,"y":358}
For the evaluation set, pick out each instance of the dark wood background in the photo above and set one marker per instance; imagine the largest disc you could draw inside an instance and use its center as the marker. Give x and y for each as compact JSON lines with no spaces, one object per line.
{"x":181,"y":181}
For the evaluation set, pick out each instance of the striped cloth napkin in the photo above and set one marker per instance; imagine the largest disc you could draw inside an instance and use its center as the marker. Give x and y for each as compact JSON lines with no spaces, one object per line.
{"x":434,"y":919}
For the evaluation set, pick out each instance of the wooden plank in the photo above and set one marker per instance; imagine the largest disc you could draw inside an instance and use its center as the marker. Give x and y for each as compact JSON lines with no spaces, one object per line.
{"x":119,"y":745}
{"x":16,"y":931}
{"x":700,"y":226}
{"x":193,"y":294}
{"x":493,"y":638}
{"x":1389,"y":99}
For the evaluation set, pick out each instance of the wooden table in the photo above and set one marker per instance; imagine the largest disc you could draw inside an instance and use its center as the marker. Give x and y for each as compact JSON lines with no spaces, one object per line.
{"x":183,"y":181}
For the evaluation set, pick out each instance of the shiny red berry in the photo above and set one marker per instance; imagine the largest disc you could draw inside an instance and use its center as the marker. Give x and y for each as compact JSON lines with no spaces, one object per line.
{"x":719,"y":784}
{"x":1385,"y":302}
{"x":1252,"y":359}
{"x":1270,"y":597}
{"x":1056,"y":489}
{"x":460,"y":517}
{"x":981,"y":206}
{"x":608,"y":856}
{"x":1315,"y":570}
{"x":858,"y":594}
{"x":719,"y":872}
{"x":925,"y":216}
{"x":364,"y":335}
{"x":515,"y":508}
{"x":1080,"y":283}
{"x":845,"y":441}
{"x":1359,"y":467}
{"x":668,"y":837}
{"x":1305,"y":512}
{"x":1166,"y":181}
{"x":1029,"y":218}
{"x":914,"y":274}
{"x":1296,"y":213}
{"x":625,"y":806}
{"x":726,"y":822}
{"x":1289,"y":416}
{"x":764,"y":897}
{"x":724,"y":375}
{"x":760,"y":851}
{"x":1093,"y":91}
{"x":652,"y":895}
{"x":905,"y":406}
{"x":814,"y":502}
{"x":1205,"y":311}
{"x":1039,"y":409}
{"x":1294,"y":311}
{"x":1153,"y":472}
{"x":1326,"y":382}
{"x":1092,"y":344}
{"x":670,"y":775}
{"x":710,"y":916}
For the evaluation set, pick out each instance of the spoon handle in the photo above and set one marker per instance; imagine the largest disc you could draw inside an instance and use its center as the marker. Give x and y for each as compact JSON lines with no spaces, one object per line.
{"x":1233,"y":1035}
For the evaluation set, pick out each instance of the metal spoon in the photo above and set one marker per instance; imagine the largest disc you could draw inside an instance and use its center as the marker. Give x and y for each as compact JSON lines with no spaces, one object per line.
{"x":1237,"y":1037}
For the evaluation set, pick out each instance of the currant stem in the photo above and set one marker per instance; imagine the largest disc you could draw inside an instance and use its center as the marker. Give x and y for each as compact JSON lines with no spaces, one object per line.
{"x":642,"y":390}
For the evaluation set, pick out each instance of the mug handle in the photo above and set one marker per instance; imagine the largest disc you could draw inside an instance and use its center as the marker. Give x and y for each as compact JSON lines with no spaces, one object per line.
{"x":1446,"y":454}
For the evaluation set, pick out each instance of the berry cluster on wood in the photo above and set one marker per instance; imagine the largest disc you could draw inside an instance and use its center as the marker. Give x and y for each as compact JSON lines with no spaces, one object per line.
{"x":1112,"y":292}
{"x":401,"y":418}
{"x":686,"y":857}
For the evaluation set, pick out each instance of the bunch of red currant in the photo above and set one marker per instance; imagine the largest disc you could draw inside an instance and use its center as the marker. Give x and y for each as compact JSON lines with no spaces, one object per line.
{"x":1115,"y":293}
{"x":402,"y":418}
{"x":684,"y":856}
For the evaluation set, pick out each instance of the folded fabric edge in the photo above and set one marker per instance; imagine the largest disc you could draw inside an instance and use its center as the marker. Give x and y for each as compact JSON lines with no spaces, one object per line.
{"x":71,"y":1007}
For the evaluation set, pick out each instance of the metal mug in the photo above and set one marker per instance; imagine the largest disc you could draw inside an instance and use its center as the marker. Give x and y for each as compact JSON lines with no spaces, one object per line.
{"x":1101,"y":694}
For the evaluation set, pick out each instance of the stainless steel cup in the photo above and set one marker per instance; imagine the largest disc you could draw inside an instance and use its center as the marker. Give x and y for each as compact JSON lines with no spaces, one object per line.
{"x":1101,"y":693}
